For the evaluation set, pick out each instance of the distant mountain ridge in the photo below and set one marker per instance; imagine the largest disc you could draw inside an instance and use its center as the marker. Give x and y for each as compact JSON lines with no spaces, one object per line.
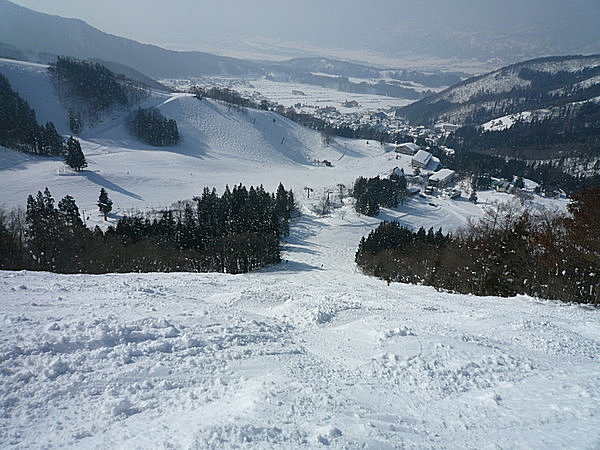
{"x":24,"y":31}
{"x":549,"y":83}
{"x":28,"y":30}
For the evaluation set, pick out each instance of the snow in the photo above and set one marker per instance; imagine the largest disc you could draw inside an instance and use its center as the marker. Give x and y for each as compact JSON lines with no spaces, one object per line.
{"x":506,"y":122}
{"x":308,"y":353}
{"x":32,"y":82}
{"x":507,"y":79}
{"x":503,"y":80}
{"x":288,"y":93}
{"x":422,"y":157}
{"x":442,"y":175}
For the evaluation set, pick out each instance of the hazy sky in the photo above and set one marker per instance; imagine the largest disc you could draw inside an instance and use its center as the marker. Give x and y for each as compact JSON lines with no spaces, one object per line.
{"x":347,"y":24}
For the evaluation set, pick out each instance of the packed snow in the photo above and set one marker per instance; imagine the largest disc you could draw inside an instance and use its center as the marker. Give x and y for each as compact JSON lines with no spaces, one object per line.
{"x":305,"y":354}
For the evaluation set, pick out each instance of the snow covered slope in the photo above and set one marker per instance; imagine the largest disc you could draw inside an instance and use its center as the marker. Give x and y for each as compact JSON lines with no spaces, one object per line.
{"x":510,"y":90}
{"x":32,"y":83}
{"x":303,"y":355}
{"x":220,"y":145}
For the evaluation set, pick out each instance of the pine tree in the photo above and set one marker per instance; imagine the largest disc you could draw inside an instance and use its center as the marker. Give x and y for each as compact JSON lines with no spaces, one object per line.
{"x":43,"y":228}
{"x":104,"y":203}
{"x":70,"y":212}
{"x":74,"y":156}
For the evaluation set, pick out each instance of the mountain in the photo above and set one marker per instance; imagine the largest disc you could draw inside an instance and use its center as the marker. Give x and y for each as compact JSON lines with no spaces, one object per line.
{"x":9,"y":51}
{"x":544,"y":83}
{"x":24,"y":31}
{"x":301,"y":69}
{"x":32,"y":31}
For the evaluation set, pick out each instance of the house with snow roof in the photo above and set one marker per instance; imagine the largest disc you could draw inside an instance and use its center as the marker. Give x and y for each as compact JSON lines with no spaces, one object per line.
{"x":421,"y":159}
{"x":442,"y":178}
{"x":407,"y":148}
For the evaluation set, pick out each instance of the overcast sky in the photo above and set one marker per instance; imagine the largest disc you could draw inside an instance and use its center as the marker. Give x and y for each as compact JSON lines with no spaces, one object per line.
{"x":347,"y":24}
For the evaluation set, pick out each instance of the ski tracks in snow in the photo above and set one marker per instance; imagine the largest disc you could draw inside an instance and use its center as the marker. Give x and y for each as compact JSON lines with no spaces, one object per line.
{"x":293,"y":356}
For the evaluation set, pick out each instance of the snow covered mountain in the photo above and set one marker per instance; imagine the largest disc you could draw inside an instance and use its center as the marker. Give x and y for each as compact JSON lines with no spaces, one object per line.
{"x":536,"y":84}
{"x":220,"y":145}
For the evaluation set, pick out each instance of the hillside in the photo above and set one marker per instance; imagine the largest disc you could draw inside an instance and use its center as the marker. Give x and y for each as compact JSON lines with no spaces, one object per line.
{"x":546,"y":83}
{"x":29,"y":30}
{"x":220,"y":145}
{"x":304,"y":354}
{"x":34,"y":84}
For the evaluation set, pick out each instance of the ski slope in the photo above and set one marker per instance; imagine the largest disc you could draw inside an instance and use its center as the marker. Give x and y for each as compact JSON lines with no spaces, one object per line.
{"x":307,"y":354}
{"x":220,"y":145}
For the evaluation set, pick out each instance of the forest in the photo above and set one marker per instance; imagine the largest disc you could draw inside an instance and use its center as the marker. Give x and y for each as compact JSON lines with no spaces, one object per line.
{"x":236,"y":232}
{"x":568,"y":132}
{"x":509,"y":251}
{"x":90,"y":82}
{"x":89,"y":90}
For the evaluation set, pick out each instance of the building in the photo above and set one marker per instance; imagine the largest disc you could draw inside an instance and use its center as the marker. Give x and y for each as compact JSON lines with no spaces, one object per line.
{"x":421,"y":159}
{"x":443,"y":126}
{"x":408,"y":148}
{"x":442,"y":177}
{"x":398,"y":171}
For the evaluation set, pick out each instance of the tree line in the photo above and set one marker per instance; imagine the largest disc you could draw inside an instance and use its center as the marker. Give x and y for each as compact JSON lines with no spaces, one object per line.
{"x":233,"y":233}
{"x":19,"y":128}
{"x":509,"y":251}
{"x":545,"y":173}
{"x":89,"y":89}
{"x":90,"y":81}
{"x":570,"y":131}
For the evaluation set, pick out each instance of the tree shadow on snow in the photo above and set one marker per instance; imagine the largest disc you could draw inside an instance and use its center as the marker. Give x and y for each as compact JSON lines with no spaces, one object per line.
{"x":291,"y":266}
{"x":98,"y":179}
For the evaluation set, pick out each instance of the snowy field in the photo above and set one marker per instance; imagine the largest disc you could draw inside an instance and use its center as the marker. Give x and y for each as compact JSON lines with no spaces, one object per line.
{"x":306,"y":354}
{"x":290,"y":93}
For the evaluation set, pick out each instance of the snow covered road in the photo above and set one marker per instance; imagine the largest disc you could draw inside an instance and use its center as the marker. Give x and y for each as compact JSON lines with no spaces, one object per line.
{"x":304,"y":355}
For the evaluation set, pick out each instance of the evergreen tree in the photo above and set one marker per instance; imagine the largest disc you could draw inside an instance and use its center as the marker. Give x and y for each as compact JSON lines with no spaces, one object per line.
{"x":473,"y":197}
{"x":43,"y":228}
{"x":74,"y":156}
{"x":49,"y":141}
{"x":104,"y":203}
{"x":70,"y":212}
{"x":19,"y":128}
